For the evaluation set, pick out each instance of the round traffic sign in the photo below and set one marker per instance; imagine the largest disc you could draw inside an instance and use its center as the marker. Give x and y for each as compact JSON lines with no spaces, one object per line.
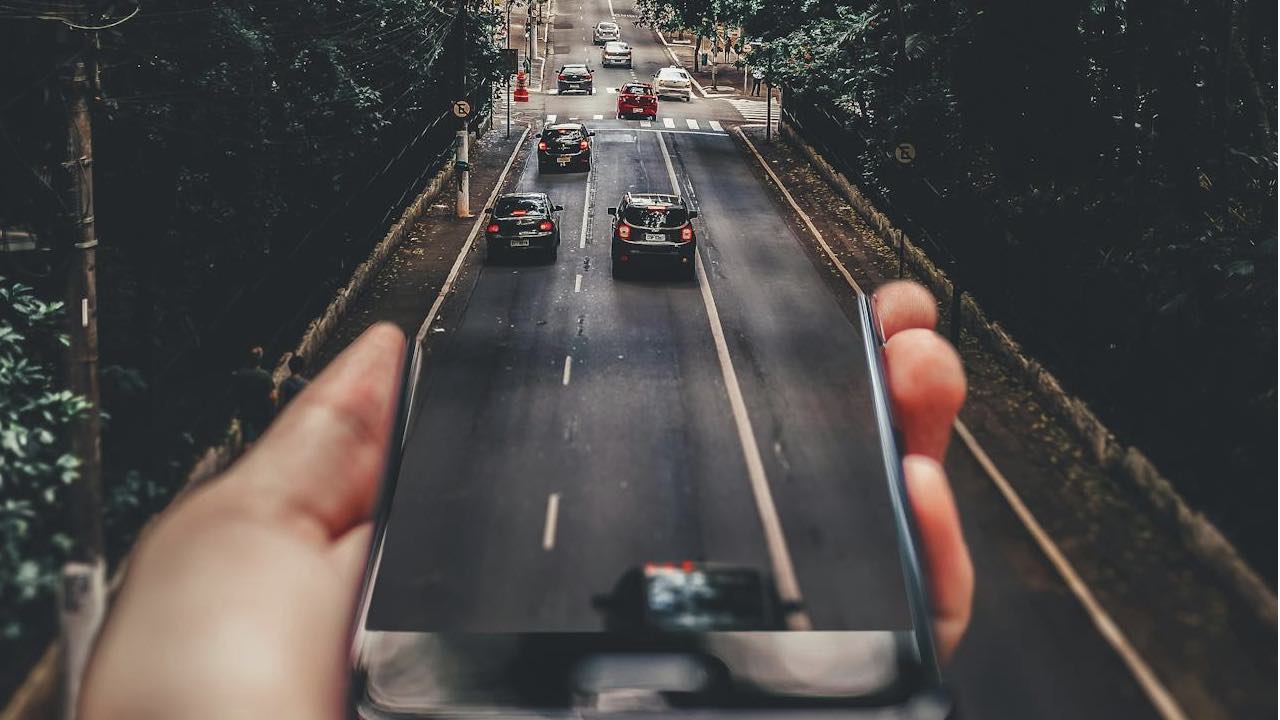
{"x":461,"y":108}
{"x":905,"y":153}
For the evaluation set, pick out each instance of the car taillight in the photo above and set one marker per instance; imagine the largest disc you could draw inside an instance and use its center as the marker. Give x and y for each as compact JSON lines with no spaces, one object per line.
{"x":545,"y":226}
{"x":624,"y":231}
{"x":493,"y":228}
{"x":686,"y":233}
{"x":542,"y":145}
{"x":562,"y":76}
{"x":584,"y":144}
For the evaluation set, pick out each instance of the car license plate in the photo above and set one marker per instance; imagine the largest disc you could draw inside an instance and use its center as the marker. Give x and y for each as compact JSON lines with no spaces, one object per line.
{"x":564,"y":160}
{"x":655,"y":237}
{"x":518,"y":242}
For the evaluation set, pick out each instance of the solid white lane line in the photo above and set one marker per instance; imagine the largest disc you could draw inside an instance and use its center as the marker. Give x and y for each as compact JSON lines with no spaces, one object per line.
{"x":693,"y":124}
{"x":669,"y":122}
{"x":577,"y":283}
{"x":715,"y":125}
{"x":597,"y":117}
{"x":568,"y":369}
{"x":1156,"y":692}
{"x":549,"y":528}
{"x":611,"y":15}
{"x":551,"y":118}
{"x":586,"y":211}
{"x":779,"y":556}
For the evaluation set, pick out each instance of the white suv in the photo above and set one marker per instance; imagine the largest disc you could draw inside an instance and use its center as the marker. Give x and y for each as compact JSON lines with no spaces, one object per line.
{"x":673,"y":81}
{"x":616,"y":53}
{"x":606,"y":31}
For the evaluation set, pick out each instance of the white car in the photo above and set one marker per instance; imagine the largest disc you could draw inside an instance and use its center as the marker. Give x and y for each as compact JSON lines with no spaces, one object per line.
{"x":616,"y":53}
{"x":673,"y":81}
{"x":606,"y":31}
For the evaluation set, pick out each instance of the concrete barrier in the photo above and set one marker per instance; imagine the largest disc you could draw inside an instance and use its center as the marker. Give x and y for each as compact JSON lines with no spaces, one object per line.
{"x":1197,"y":532}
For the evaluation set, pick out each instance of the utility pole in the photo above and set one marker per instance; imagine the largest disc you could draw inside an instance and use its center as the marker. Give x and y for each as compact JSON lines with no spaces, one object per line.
{"x":81,"y":596}
{"x":462,"y":161}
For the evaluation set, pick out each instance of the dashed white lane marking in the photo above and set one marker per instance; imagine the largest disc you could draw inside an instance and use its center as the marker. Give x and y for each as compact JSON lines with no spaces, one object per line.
{"x":549,"y":528}
{"x":715,"y":125}
{"x":551,"y":91}
{"x":693,"y":124}
{"x":577,"y":283}
{"x":779,"y":556}
{"x":645,"y":124}
{"x":612,"y":91}
{"x":669,"y":122}
{"x":1156,"y":692}
{"x":551,"y":118}
{"x":597,"y":117}
{"x":568,"y":369}
{"x":572,"y":119}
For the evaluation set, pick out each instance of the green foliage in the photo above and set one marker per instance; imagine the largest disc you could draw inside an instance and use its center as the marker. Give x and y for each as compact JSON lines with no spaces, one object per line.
{"x":34,"y":467}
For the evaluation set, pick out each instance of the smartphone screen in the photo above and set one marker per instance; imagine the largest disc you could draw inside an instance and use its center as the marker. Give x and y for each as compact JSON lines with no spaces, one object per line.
{"x":539,"y":556}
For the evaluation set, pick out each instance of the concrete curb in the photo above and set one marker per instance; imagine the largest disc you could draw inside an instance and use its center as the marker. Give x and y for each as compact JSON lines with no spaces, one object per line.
{"x":1196,"y":531}
{"x":36,"y":698}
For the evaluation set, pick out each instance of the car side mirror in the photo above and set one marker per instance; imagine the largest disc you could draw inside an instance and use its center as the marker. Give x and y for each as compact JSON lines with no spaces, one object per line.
{"x":613,"y":211}
{"x":591,"y":133}
{"x":558,"y":207}
{"x":488,"y":210}
{"x":693,"y":214}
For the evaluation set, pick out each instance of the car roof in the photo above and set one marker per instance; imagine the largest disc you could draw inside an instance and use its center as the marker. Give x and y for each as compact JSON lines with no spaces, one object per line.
{"x":654,"y":199}
{"x":603,"y":23}
{"x":520,"y":195}
{"x":616,"y":43}
{"x":673,"y":69}
{"x":574,"y":65}
{"x":566,"y":126}
{"x":637,"y":83}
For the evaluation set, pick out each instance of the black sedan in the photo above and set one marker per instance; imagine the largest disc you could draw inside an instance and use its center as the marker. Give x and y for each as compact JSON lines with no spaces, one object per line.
{"x":653,"y":227}
{"x":523,"y":223}
{"x":565,"y":146}
{"x":575,"y":78}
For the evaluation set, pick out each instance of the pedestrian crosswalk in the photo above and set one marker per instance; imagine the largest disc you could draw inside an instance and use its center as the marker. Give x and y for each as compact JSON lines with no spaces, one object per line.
{"x":669,"y":123}
{"x":753,"y":110}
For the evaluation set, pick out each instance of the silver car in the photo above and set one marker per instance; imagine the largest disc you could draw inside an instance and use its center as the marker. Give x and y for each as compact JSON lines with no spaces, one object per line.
{"x":616,"y":53}
{"x":673,"y":81}
{"x":606,"y":31}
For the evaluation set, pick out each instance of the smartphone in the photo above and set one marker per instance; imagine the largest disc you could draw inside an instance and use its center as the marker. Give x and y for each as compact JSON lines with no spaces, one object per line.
{"x":482,"y":600}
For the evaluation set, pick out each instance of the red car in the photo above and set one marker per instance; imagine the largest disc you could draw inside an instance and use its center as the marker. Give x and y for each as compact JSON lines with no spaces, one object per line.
{"x":637,"y":100}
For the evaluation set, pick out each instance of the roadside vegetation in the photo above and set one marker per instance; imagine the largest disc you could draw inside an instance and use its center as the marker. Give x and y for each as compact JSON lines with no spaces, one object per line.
{"x":1100,"y":175}
{"x":247,"y":156}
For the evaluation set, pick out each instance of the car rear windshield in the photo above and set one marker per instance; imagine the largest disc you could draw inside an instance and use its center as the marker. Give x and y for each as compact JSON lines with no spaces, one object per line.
{"x":579,"y":70}
{"x":656,"y":216}
{"x":518,"y":206}
{"x":563,"y":135}
{"x":636,"y":89}
{"x":608,"y":26}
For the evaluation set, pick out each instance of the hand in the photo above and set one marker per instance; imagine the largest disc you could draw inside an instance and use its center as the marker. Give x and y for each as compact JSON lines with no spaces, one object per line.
{"x":927,"y":388}
{"x":238,"y":601}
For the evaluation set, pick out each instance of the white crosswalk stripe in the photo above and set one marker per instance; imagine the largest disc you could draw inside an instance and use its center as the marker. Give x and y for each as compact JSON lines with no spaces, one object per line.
{"x":715,"y":126}
{"x":669,"y":122}
{"x":693,"y":124}
{"x":612,"y":91}
{"x":752,"y":110}
{"x":597,"y":117}
{"x":551,"y":118}
{"x":552,"y":91}
{"x":645,"y":124}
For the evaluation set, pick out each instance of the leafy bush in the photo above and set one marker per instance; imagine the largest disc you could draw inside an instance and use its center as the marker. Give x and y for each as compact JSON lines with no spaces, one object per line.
{"x":35,"y":469}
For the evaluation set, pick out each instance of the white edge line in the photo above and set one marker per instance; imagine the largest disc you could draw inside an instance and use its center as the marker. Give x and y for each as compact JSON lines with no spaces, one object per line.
{"x":586,"y":211}
{"x":568,"y":369}
{"x":577,"y":283}
{"x":549,"y":529}
{"x":775,"y":541}
{"x":1157,"y":693}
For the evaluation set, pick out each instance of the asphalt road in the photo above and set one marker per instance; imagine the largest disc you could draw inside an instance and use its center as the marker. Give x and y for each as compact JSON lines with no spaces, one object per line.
{"x":639,"y":446}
